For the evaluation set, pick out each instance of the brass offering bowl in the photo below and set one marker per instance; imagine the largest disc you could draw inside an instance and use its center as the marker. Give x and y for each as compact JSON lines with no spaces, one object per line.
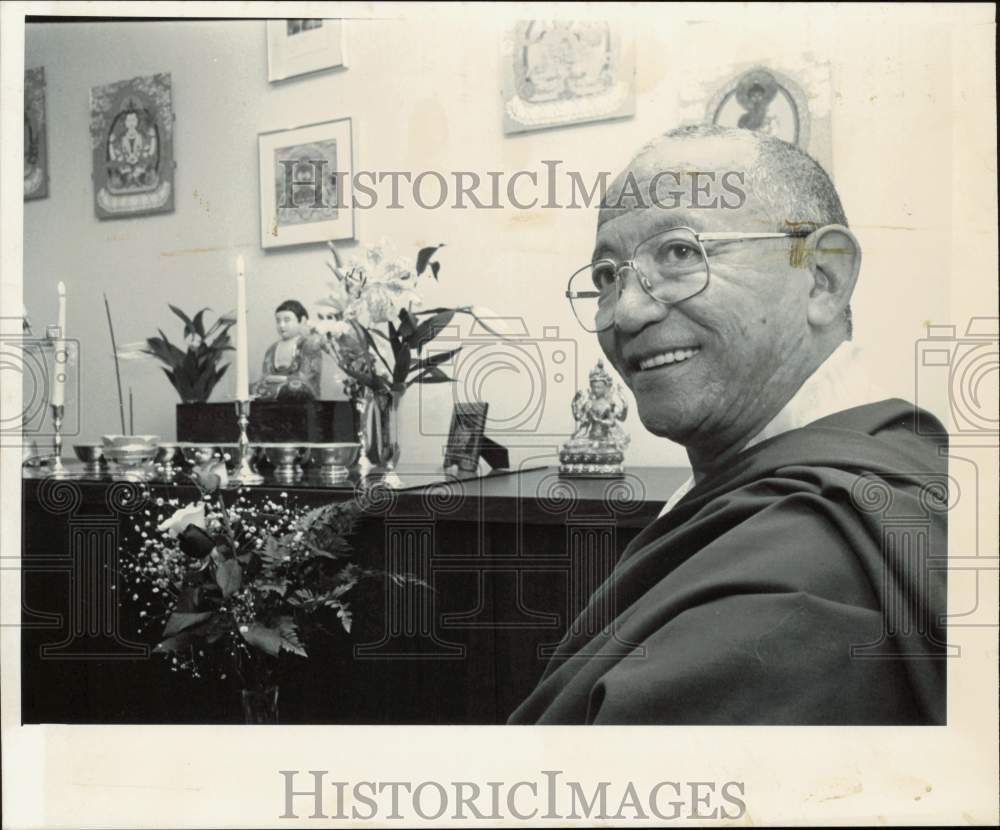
{"x":92,"y":456}
{"x":130,"y":460}
{"x":128,"y":441}
{"x":334,"y":460}
{"x":287,"y":460}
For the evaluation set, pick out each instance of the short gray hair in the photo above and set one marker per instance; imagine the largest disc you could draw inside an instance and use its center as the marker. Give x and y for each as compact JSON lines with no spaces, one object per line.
{"x":793,"y":188}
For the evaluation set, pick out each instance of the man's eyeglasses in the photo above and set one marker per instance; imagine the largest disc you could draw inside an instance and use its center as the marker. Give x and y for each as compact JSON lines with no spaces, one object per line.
{"x":671,"y":266}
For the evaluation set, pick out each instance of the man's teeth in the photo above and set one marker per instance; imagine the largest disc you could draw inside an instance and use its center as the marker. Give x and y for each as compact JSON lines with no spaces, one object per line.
{"x":673,"y":356}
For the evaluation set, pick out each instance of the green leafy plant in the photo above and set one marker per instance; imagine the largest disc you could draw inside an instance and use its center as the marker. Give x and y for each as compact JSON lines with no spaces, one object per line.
{"x":193,"y":371}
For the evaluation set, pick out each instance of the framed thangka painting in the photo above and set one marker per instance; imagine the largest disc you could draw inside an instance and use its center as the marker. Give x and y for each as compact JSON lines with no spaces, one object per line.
{"x":36,"y":159}
{"x":558,"y":72}
{"x":132,"y":140}
{"x":302,"y":45}
{"x":306,"y":179}
{"x":765,"y":101}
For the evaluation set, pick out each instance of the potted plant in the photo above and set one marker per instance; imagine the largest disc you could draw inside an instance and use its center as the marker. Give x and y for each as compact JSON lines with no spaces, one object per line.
{"x":193,"y":371}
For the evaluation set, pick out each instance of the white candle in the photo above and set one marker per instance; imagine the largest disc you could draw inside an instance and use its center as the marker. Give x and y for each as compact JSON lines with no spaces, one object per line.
{"x":242,"y":364}
{"x":58,"y":395}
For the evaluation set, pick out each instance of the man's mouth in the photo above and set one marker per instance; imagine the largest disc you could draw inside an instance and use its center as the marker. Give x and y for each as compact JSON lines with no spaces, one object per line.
{"x":668,"y":358}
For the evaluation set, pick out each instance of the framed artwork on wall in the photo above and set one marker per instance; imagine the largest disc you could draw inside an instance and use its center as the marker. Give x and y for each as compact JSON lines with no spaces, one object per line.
{"x":791,"y":99}
{"x":306,"y":184}
{"x":302,"y":45}
{"x":132,"y":144}
{"x":559,"y":72}
{"x":36,"y":158}
{"x":763,"y":100}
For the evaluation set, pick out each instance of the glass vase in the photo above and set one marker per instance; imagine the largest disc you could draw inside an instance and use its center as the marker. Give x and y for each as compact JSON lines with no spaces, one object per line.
{"x":260,"y":705}
{"x":380,"y":428}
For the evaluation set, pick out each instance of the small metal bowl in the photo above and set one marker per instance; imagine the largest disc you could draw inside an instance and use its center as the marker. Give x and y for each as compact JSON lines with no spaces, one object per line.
{"x":120,"y":441}
{"x":286,"y":459}
{"x":92,"y":456}
{"x":335,"y":460}
{"x":130,"y":461}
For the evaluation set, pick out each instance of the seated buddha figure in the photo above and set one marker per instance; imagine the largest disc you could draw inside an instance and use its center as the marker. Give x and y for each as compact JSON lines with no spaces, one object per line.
{"x":293,"y":365}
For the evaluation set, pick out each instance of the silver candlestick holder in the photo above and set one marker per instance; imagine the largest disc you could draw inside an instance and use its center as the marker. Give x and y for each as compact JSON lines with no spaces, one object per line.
{"x":56,"y":468}
{"x":245,"y":473}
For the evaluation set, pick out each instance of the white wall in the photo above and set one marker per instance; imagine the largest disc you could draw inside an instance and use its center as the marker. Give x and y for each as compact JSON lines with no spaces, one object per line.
{"x":424,"y":95}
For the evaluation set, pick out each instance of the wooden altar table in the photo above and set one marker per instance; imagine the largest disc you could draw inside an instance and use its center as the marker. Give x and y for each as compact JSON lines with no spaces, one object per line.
{"x":512,"y":560}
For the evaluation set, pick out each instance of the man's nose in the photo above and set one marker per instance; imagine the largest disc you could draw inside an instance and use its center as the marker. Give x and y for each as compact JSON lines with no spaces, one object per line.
{"x":635,"y":308}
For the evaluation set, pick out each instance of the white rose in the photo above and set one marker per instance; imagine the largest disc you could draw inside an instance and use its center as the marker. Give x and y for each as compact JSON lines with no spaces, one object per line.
{"x":192,"y":514}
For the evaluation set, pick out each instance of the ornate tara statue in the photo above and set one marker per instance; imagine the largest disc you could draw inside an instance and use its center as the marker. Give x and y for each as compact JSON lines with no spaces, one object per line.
{"x":597,"y":447}
{"x":293,"y":365}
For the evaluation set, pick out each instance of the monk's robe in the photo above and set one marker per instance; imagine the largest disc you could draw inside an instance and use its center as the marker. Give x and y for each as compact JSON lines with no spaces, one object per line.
{"x":803,"y":584}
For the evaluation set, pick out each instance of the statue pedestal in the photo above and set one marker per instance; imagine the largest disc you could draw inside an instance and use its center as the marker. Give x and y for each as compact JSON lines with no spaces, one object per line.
{"x":591,"y":458}
{"x":318,"y":422}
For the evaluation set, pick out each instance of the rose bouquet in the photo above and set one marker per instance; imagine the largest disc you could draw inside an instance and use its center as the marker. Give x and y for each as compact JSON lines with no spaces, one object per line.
{"x":234,"y":586}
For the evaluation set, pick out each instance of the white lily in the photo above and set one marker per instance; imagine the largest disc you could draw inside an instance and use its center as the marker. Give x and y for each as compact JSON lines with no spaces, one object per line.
{"x":332,"y":327}
{"x":383,"y":300}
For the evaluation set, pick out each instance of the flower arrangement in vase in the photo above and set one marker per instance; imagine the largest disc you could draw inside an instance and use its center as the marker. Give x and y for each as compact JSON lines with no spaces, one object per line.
{"x":376,"y":332}
{"x":235,"y":586}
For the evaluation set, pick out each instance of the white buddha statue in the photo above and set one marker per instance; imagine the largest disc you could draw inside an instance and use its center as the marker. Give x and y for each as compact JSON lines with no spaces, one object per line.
{"x":293,"y":365}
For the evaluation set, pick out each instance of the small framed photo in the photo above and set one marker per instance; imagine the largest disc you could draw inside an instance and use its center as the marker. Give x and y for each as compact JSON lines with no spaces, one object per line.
{"x":465,"y":438}
{"x":306,"y":184}
{"x":303,"y":45}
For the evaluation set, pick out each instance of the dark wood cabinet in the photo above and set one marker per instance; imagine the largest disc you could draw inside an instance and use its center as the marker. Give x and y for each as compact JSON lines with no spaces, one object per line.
{"x":511,"y":559}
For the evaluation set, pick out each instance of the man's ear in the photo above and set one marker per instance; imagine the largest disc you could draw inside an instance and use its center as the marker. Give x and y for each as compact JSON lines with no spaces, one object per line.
{"x":835,"y":259}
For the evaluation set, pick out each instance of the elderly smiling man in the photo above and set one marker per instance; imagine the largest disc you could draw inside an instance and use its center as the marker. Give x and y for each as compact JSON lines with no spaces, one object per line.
{"x":772,"y":589}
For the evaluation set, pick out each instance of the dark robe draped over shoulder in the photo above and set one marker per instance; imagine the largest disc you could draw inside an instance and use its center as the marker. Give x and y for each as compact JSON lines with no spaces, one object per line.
{"x":803,"y":584}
